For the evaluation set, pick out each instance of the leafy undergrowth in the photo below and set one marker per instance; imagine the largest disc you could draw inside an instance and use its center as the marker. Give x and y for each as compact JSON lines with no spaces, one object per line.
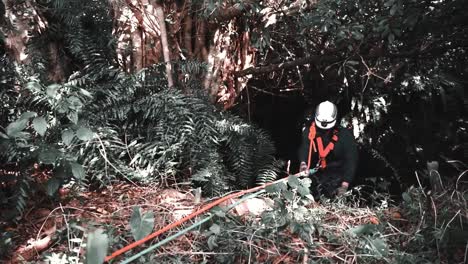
{"x":293,"y":228}
{"x":67,"y":225}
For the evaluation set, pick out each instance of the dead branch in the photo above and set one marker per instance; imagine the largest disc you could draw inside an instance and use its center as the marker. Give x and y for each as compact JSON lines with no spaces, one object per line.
{"x":316,"y":59}
{"x":233,"y":11}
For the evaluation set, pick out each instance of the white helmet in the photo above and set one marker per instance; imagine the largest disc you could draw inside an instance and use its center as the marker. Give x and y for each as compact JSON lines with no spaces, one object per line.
{"x":325,"y":115}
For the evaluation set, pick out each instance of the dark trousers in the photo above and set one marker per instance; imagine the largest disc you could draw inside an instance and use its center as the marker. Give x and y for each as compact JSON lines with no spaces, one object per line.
{"x":326,"y":182}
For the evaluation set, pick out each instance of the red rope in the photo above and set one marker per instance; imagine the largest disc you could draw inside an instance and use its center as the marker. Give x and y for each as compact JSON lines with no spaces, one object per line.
{"x":186,"y":218}
{"x":312,"y":134}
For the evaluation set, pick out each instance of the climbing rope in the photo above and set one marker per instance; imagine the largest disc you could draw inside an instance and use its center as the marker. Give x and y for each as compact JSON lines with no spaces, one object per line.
{"x":198,"y":212}
{"x":186,"y":230}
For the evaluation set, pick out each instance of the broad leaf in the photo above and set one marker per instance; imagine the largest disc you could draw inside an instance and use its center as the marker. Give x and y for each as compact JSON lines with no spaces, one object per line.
{"x":5,"y":136}
{"x":378,"y":246}
{"x":274,"y":188}
{"x":294,"y":227}
{"x":212,"y":242}
{"x":23,"y":135}
{"x":84,"y":133}
{"x":288,"y":195}
{"x":218,"y":211}
{"x":303,"y":191}
{"x":28,"y":115}
{"x":73,"y":116}
{"x":293,"y":181}
{"x":277,"y":187}
{"x":74,"y":103}
{"x":77,"y":171}
{"x":406,"y":197}
{"x":141,"y":225}
{"x":40,"y":125}
{"x":34,"y":86}
{"x":306,"y":182}
{"x":48,"y":155}
{"x":67,"y":136}
{"x":52,"y":186}
{"x":96,"y":249}
{"x":86,"y":93}
{"x":15,"y":127}
{"x":216,"y":229}
{"x":52,"y":89}
{"x":366,"y":229}
{"x":394,"y":9}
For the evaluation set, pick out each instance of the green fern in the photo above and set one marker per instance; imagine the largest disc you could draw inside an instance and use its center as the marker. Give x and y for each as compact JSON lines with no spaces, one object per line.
{"x":377,"y":155}
{"x":141,"y":130}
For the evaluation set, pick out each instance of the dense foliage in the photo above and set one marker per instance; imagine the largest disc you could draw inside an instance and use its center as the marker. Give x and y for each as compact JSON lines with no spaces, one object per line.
{"x":103,"y":124}
{"x":135,"y":132}
{"x":85,"y":101}
{"x":390,"y":65}
{"x":424,"y":229}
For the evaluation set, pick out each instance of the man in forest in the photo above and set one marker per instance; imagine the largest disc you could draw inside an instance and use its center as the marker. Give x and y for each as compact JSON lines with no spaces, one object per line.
{"x":330,"y":149}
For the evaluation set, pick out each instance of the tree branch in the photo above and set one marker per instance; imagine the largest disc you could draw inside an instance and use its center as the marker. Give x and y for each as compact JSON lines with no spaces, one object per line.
{"x":233,"y":11}
{"x":316,"y":59}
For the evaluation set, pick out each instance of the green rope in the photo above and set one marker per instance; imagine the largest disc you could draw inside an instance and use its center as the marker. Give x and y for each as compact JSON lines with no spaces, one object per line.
{"x":184,"y":231}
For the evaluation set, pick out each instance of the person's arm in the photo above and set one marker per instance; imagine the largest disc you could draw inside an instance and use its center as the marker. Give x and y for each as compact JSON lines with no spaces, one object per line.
{"x":350,"y":157}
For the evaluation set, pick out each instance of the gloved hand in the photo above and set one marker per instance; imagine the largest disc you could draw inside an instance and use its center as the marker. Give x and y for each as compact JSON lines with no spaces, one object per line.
{"x":340,"y":191}
{"x":344,"y":188}
{"x":303,"y":167}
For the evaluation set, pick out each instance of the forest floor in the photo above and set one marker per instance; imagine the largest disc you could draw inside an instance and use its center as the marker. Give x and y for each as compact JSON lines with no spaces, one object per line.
{"x":52,"y":228}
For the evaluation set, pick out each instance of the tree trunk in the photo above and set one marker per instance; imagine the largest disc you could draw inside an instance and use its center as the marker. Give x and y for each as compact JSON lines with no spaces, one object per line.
{"x":164,"y":43}
{"x":187,"y":34}
{"x":144,"y":37}
{"x":56,"y":69}
{"x":186,"y":37}
{"x":22,"y":20}
{"x":16,"y":39}
{"x":200,"y":52}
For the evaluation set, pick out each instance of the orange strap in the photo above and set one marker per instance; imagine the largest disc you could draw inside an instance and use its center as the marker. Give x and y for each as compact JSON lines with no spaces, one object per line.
{"x":312,"y":133}
{"x":321,"y":151}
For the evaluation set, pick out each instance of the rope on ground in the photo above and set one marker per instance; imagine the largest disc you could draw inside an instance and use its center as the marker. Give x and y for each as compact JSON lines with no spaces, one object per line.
{"x":194,"y":214}
{"x":184,"y":231}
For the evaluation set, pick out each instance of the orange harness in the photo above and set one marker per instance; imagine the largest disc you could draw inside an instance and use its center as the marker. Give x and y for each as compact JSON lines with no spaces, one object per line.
{"x":322,"y":152}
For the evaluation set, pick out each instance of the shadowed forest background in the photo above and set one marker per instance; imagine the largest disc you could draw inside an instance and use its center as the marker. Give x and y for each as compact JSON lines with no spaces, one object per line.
{"x":213,"y":94}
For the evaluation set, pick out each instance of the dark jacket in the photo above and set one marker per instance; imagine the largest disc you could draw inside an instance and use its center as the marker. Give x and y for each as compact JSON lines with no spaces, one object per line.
{"x":342,"y":160}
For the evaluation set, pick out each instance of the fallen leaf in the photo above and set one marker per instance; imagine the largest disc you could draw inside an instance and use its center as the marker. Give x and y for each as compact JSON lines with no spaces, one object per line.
{"x":374,"y":220}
